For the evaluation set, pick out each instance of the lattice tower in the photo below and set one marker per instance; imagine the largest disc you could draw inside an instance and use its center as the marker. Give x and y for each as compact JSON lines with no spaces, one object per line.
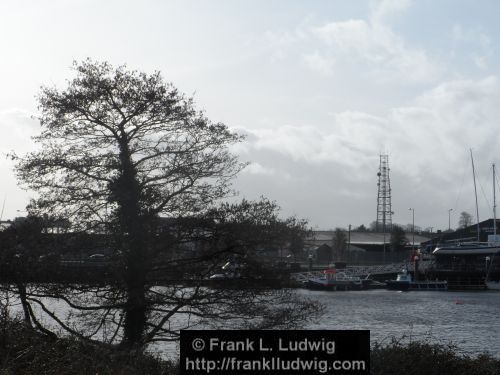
{"x":384,"y":208}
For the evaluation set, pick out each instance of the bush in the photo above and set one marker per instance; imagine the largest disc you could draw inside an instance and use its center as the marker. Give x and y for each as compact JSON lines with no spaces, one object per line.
{"x":24,"y":351}
{"x":419,"y":358}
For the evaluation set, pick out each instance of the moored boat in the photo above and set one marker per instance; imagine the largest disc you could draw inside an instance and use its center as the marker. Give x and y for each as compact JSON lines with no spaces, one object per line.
{"x":404,"y":282}
{"x":469,"y":248}
{"x":464,"y":263}
{"x":335,"y":280}
{"x":493,"y":285}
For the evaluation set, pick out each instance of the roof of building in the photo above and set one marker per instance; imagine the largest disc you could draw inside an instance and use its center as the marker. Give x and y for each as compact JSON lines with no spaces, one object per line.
{"x":372,"y":238}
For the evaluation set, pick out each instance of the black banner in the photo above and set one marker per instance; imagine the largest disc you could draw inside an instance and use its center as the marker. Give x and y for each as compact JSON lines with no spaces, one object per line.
{"x":275,"y":352}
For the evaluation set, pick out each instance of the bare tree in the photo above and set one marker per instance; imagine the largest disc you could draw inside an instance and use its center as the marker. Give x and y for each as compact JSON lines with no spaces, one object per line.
{"x":465,"y":220}
{"x":120,"y":152}
{"x":398,"y":238}
{"x":339,"y":243}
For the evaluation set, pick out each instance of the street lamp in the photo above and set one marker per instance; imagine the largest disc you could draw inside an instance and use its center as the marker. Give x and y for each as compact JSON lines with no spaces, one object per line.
{"x":449,"y":219}
{"x":413,"y":228}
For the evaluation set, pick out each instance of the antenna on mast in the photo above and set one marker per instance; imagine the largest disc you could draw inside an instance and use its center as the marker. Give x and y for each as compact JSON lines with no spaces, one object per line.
{"x":384,"y":207}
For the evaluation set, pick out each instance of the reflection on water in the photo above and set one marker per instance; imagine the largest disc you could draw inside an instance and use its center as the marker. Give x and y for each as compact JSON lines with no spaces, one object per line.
{"x":468,"y":320}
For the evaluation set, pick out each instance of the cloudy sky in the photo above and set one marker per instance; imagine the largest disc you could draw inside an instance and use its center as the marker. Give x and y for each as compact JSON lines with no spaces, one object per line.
{"x":320,"y":88}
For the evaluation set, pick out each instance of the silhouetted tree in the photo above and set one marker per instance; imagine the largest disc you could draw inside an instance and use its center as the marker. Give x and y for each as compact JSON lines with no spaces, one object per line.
{"x":22,"y":251}
{"x":339,"y":243}
{"x":119,"y":151}
{"x":398,"y":238}
{"x":361,"y":228}
{"x":465,"y":220}
{"x":297,"y":238}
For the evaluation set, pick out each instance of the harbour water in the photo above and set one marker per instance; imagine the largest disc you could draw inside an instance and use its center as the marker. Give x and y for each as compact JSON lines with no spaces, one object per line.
{"x":468,"y":320}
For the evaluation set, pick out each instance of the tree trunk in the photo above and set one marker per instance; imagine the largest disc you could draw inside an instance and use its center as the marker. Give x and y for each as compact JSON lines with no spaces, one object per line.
{"x":135,"y":310}
{"x":21,"y":288}
{"x":134,"y":236}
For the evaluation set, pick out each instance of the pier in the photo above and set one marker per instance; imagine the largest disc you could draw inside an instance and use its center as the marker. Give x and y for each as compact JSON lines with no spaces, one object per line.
{"x":377,"y":271}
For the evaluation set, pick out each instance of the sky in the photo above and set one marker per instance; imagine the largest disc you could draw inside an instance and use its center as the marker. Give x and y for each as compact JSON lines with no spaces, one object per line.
{"x":319,"y":88}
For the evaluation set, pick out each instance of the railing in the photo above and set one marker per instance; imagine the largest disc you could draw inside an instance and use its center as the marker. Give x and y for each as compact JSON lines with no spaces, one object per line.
{"x":360,"y":271}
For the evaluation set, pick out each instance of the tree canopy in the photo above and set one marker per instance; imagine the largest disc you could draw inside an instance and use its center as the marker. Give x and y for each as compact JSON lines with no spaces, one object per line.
{"x":117,"y":138}
{"x":124,"y":154}
{"x":398,"y":238}
{"x":339,"y":244}
{"x":465,"y":220}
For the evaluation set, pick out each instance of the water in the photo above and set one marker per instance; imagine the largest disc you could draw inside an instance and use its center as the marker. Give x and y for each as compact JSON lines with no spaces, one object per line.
{"x":468,"y":320}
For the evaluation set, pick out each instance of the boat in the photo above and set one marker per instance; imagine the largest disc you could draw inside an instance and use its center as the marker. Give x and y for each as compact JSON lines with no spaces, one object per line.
{"x":335,"y":280}
{"x":464,"y":263}
{"x":491,"y":247}
{"x":405,"y":283}
{"x":473,"y":253}
{"x":369,"y":283}
{"x":469,"y":248}
{"x":492,"y":284}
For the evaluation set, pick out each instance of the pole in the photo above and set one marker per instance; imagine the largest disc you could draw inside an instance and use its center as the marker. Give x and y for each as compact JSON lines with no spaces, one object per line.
{"x":449,"y":219}
{"x":494,"y":207}
{"x":349,"y":240}
{"x":413,"y":228}
{"x":384,"y":248}
{"x":475,"y":192}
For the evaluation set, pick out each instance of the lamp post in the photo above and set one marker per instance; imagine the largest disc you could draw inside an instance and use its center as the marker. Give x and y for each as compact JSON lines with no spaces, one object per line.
{"x":413,"y":228}
{"x":449,"y":219}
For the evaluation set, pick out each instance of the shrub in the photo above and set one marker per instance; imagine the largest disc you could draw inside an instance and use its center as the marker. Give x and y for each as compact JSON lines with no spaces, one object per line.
{"x":24,"y":351}
{"x":420,"y":358}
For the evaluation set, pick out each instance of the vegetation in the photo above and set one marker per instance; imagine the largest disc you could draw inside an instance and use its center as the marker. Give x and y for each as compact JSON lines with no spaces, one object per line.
{"x":125,"y":156}
{"x":420,"y":358}
{"x":361,"y":228}
{"x":339,"y":244}
{"x":465,"y":220}
{"x":398,"y":238}
{"x":25,"y":352}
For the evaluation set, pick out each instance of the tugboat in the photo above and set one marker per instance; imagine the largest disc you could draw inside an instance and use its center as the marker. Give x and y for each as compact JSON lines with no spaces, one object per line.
{"x":405,"y":283}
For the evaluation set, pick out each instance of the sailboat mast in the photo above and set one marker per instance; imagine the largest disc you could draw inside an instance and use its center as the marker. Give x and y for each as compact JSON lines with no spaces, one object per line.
{"x":475,"y":193}
{"x":3,"y":207}
{"x":494,"y":206}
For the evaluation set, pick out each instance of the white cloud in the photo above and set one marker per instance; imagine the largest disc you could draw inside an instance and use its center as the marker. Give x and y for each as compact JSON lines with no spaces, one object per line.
{"x":428,"y":142}
{"x":352,"y":139}
{"x":256,"y":168}
{"x":282,"y":42}
{"x":384,"y":9}
{"x":320,"y":63}
{"x":16,"y":127}
{"x":374,"y":43}
{"x":482,"y":59}
{"x":476,"y":40}
{"x":369,"y":45}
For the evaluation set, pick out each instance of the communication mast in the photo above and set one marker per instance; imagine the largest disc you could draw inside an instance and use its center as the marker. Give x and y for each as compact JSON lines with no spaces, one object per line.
{"x":384,"y":208}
